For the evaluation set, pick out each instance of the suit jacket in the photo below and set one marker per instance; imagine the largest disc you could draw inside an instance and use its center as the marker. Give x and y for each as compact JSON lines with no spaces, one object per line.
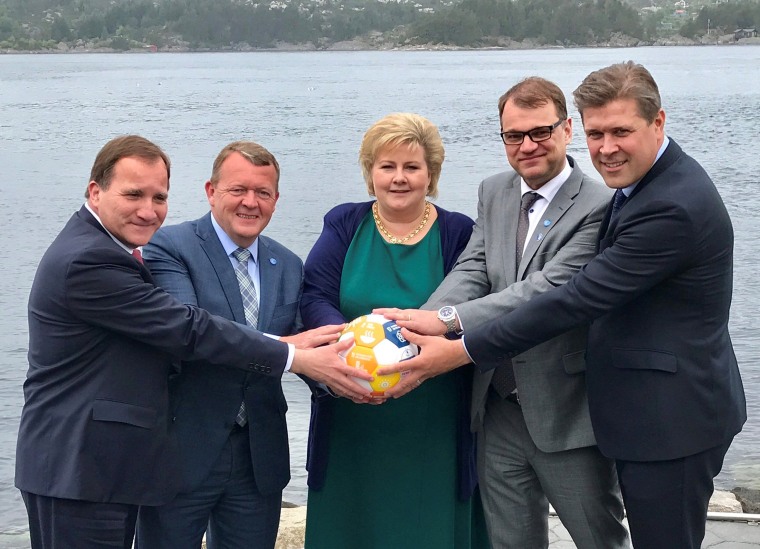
{"x":102,"y":339}
{"x":486,"y":283}
{"x":321,"y":305}
{"x":189,"y":262}
{"x":662,"y":377}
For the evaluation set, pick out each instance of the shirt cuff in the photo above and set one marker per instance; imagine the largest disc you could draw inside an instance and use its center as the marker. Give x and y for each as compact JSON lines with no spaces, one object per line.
{"x":291,"y":351}
{"x":464,"y":345}
{"x":291,"y":354}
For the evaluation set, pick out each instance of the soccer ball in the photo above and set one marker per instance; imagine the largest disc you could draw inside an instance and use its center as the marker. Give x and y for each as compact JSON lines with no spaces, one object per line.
{"x":377,"y":342}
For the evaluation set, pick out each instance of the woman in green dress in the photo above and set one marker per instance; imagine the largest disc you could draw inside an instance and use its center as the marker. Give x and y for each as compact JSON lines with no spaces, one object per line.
{"x":400,"y":474}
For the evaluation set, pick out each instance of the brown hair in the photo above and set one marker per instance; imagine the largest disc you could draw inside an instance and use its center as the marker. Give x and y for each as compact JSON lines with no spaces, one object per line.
{"x":627,"y":80}
{"x":253,"y":152}
{"x":123,"y":147}
{"x":534,"y":92}
{"x":403,"y":129}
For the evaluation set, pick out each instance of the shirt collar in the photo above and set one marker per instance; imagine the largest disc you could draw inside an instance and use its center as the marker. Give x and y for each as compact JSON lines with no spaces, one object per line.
{"x":119,"y":242}
{"x":629,"y":189}
{"x":229,"y":246}
{"x":550,"y":188}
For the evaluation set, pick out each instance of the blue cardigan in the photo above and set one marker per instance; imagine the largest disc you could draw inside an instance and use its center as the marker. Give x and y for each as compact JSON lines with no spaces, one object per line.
{"x":320,"y":305}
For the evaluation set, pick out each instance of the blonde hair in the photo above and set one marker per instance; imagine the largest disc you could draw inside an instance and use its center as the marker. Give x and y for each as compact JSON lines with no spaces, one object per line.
{"x":398,"y":129}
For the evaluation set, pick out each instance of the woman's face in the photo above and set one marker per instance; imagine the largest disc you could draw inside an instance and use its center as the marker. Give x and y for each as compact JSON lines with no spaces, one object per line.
{"x":401,"y":178}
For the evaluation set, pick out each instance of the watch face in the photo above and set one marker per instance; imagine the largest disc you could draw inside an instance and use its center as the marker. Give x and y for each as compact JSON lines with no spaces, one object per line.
{"x":446,"y":312}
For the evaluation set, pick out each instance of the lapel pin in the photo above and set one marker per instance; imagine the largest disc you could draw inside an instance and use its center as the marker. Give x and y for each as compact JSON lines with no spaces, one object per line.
{"x":547,"y":222}
{"x":273,"y":261}
{"x":540,"y":236}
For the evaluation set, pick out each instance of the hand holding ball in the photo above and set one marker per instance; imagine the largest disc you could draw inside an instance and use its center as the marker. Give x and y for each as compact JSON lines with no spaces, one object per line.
{"x":377,"y":342}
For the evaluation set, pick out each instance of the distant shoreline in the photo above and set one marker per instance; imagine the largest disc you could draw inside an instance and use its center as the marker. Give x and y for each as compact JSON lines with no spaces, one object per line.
{"x":364,"y":46}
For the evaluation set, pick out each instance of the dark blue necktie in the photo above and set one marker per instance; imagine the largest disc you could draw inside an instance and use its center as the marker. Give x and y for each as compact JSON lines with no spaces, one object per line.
{"x":617,"y":202}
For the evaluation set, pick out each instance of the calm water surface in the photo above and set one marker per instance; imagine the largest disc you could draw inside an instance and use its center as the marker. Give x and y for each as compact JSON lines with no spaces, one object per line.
{"x":311,"y":110}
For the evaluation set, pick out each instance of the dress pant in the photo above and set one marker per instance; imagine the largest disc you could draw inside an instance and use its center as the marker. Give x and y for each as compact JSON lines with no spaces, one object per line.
{"x":227,"y":506}
{"x":666,"y":501}
{"x":56,"y":523}
{"x":518,"y":481}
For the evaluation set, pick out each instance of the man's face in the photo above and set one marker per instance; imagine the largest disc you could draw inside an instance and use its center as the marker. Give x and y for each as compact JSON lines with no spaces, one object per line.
{"x":243,"y":199}
{"x":136,"y":202}
{"x":536,"y":163}
{"x":623,"y":145}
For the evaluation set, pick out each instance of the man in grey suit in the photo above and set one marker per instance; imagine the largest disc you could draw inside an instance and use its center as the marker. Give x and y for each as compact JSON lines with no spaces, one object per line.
{"x":230,"y":425}
{"x":535,"y":441}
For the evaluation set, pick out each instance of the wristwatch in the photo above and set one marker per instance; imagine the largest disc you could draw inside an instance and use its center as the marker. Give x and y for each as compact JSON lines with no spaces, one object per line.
{"x":448,"y":315}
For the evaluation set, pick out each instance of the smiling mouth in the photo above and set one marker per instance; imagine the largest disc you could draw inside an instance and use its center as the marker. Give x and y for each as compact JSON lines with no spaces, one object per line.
{"x":612,"y":165}
{"x":244,"y":216}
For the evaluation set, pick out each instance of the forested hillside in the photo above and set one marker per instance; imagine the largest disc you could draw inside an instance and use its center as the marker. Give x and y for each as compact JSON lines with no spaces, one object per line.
{"x":243,"y":24}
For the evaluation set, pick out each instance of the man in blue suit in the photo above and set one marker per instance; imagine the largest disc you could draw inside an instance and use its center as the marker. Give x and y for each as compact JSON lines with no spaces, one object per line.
{"x":230,"y":425}
{"x":94,"y":440}
{"x":664,"y":390}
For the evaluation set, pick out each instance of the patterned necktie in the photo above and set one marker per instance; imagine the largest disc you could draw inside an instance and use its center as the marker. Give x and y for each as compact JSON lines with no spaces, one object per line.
{"x":250,"y":306}
{"x":617,"y":202}
{"x":503,"y":379}
{"x":247,"y":289}
{"x":137,"y":255}
{"x":523,"y":223}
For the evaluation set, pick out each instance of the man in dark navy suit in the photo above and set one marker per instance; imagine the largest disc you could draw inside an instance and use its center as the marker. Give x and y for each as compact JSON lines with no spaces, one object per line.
{"x":234,"y":465}
{"x":94,"y":439}
{"x":664,"y":390}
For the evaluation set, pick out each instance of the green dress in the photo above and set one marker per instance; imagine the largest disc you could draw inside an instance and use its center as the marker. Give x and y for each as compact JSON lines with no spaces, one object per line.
{"x":391,"y":479}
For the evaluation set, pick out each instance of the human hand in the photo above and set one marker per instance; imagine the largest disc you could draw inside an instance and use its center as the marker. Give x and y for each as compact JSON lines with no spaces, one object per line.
{"x":421,"y":322}
{"x":374,"y":400}
{"x":324,"y":365}
{"x":316,"y":337}
{"x":438,"y":355}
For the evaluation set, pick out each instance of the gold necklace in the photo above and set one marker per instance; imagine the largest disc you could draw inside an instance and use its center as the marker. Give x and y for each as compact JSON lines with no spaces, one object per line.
{"x":395,"y":239}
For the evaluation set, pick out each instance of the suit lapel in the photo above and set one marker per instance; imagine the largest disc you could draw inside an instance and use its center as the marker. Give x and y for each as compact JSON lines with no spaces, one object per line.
{"x":559,"y":205}
{"x":270,"y":268}
{"x":222,"y":266}
{"x":87,"y":217}
{"x":671,"y":154}
{"x":510,"y":213}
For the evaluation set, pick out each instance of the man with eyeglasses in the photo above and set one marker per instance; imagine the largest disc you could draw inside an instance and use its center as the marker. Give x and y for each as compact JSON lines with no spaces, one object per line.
{"x":665,"y":392}
{"x":536,"y":227}
{"x":230,"y":425}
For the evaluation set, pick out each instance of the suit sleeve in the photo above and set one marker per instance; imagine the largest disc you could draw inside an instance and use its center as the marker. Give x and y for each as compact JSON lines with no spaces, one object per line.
{"x":104,"y":287}
{"x":169,"y":270}
{"x":648,"y":248}
{"x":468,"y":279}
{"x":578,"y":250}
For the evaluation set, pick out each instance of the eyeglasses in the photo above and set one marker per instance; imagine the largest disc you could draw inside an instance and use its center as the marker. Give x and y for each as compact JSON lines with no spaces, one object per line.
{"x":542,"y":133}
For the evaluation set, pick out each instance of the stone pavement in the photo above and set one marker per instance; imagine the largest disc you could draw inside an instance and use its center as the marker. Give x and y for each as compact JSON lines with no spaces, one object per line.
{"x":727,"y":526}
{"x":721,"y":534}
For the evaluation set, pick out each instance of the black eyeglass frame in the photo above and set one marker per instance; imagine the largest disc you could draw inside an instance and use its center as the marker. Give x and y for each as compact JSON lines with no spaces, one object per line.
{"x":550,"y":129}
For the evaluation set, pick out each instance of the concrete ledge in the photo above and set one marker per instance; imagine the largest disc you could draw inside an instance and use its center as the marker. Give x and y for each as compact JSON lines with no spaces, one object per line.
{"x":293,"y":520}
{"x":292,"y":528}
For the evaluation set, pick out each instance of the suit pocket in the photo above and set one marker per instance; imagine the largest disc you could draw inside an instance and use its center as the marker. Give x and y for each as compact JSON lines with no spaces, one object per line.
{"x":634,"y":359}
{"x":574,"y":363}
{"x":287,"y":311}
{"x":120,"y":412}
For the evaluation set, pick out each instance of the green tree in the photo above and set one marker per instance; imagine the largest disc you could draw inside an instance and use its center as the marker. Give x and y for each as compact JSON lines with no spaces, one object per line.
{"x":60,"y":30}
